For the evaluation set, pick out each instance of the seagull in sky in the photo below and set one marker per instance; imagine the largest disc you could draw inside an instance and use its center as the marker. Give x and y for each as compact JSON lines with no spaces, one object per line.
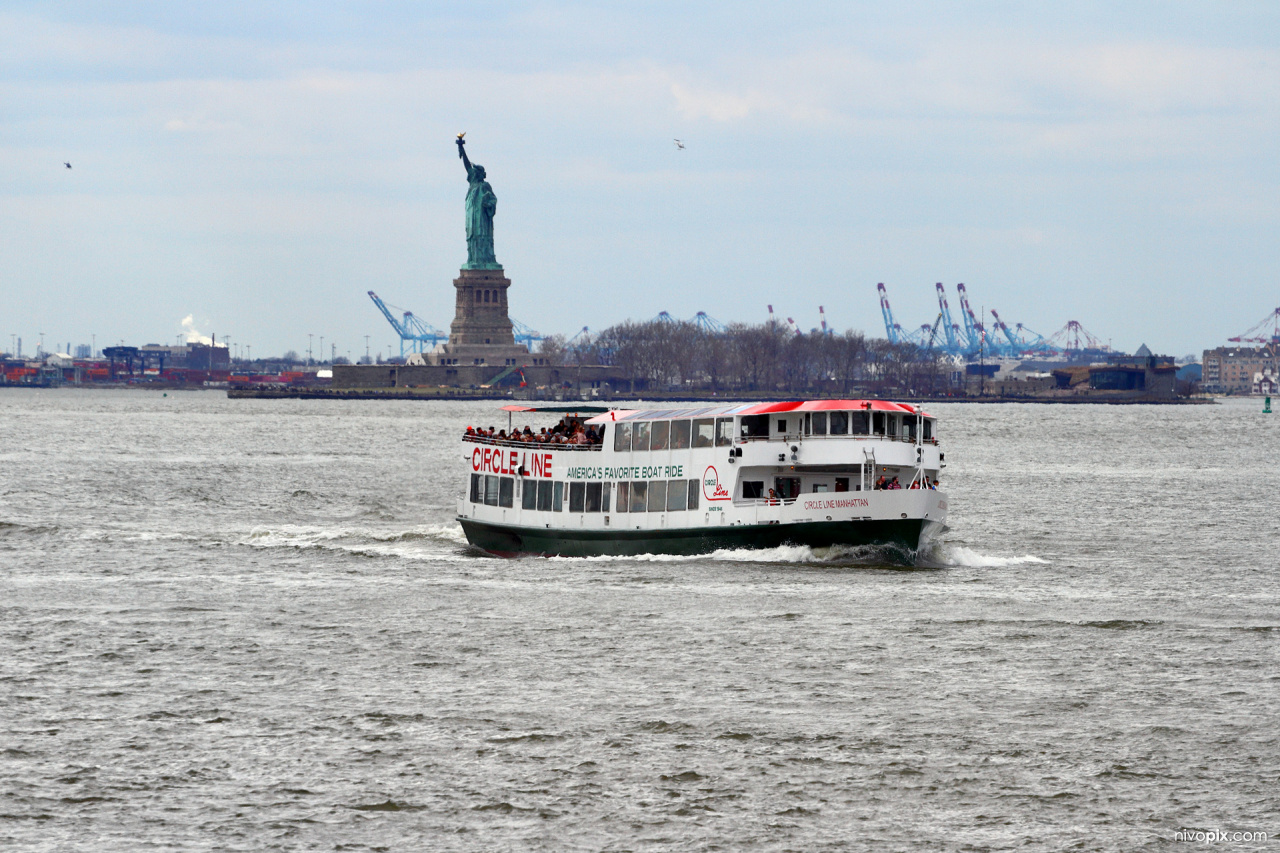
{"x":679,"y":144}
{"x":68,"y":165}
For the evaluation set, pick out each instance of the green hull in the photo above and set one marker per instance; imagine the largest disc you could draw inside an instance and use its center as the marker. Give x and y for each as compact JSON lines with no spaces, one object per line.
{"x":509,"y":541}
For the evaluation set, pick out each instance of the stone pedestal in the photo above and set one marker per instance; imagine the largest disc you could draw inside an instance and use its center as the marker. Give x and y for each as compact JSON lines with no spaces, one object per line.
{"x":481,"y":330}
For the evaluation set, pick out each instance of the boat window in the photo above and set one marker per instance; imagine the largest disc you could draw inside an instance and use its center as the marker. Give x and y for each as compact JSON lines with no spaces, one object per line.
{"x":877,"y":423}
{"x":657,"y":495}
{"x":577,"y":494}
{"x":893,"y":424}
{"x":838,"y":423}
{"x":787,"y":487}
{"x":529,"y":495}
{"x":858,"y":423}
{"x":557,"y":499}
{"x":624,"y":498}
{"x":622,"y":438}
{"x":640,"y":436}
{"x":820,"y":487}
{"x":506,"y":491}
{"x":909,"y":427}
{"x":782,"y":426}
{"x":755,"y":426}
{"x":724,"y":432}
{"x":842,"y":484}
{"x":604,"y":497}
{"x":753,"y":489}
{"x":476,"y":495}
{"x":639,"y":492}
{"x":703,"y":432}
{"x":679,"y":435}
{"x":593,"y":497}
{"x":658,"y":433}
{"x":677,"y":495}
{"x":491,"y":489}
{"x":819,"y":423}
{"x":928,"y":429}
{"x":695,"y":489}
{"x":544,"y":496}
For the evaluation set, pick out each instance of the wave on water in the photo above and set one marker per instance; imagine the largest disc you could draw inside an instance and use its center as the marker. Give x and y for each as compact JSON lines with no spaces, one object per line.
{"x":962,"y":557}
{"x":435,"y":542}
{"x":835,"y":555}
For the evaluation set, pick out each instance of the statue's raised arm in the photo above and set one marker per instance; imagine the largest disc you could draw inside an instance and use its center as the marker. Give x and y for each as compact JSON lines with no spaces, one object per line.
{"x":462,"y":152}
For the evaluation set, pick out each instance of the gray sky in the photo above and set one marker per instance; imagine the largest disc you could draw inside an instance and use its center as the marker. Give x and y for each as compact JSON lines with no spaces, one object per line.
{"x":262,"y":168}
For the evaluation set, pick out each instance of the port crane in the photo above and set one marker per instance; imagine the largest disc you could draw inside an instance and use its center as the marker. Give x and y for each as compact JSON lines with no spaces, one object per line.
{"x":892,"y":330}
{"x":708,"y":324}
{"x":525,"y":335}
{"x":949,"y":329}
{"x":1074,"y":338}
{"x":974,"y":332}
{"x":1255,"y":334}
{"x":415,"y":334}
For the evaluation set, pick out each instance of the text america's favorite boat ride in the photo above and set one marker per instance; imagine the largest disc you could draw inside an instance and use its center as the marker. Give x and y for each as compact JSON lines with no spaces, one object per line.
{"x":696,"y":480}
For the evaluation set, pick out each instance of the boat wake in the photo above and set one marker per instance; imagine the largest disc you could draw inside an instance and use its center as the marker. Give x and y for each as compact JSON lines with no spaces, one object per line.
{"x":428,"y":542}
{"x":958,"y":556}
{"x":938,"y":556}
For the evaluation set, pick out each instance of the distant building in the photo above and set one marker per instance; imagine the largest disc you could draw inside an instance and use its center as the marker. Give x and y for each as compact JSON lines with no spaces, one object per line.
{"x":1232,"y":370}
{"x":1266,"y":382}
{"x":1152,"y":377}
{"x":191,"y":356}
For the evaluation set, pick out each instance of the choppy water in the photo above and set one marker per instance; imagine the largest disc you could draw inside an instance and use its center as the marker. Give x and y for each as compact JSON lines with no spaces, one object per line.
{"x":253,"y":625}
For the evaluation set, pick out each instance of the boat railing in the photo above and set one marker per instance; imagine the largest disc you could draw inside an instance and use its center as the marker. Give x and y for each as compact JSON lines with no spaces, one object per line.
{"x":859,"y":437}
{"x":529,"y":445}
{"x":765,"y":501}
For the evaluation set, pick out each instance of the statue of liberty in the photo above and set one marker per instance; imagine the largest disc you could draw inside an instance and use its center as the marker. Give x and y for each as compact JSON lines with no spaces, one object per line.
{"x":481,"y":205}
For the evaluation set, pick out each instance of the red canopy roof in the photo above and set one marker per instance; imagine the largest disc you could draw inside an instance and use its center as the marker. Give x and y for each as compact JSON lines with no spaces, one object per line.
{"x":759,"y":409}
{"x":827,"y":405}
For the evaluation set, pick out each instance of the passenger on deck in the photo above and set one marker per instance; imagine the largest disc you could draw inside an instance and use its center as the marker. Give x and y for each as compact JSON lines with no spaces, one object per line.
{"x":881,"y":483}
{"x":894,"y":484}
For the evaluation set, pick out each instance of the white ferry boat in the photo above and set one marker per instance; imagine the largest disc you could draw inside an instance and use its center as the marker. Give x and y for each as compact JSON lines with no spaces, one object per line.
{"x":698,"y":479}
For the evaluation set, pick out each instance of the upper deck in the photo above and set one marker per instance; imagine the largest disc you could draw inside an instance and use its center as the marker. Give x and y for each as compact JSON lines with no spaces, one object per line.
{"x":648,"y":430}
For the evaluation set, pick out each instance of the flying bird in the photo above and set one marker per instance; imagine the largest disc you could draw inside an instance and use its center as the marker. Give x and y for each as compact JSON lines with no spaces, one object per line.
{"x":679,"y":144}
{"x":68,"y":165}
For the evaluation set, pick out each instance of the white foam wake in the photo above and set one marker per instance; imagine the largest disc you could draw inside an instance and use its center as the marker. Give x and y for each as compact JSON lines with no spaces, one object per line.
{"x":838,"y":554}
{"x":959,"y":555}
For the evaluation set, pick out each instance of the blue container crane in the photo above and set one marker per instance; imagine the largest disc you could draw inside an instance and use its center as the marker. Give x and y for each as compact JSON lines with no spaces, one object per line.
{"x":892,"y":330}
{"x":1015,"y":346}
{"x":974,"y":332}
{"x":949,"y":329}
{"x":414,"y":333}
{"x":524,"y":334}
{"x":708,"y":324}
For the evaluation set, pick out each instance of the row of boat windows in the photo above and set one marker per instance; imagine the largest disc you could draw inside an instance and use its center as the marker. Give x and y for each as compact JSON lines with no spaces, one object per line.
{"x":556,"y":496}
{"x":865,"y":423}
{"x":672,"y":435}
{"x":718,"y":432}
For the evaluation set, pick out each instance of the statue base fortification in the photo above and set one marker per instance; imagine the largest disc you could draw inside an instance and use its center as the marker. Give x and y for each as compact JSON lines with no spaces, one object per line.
{"x":481,"y":331}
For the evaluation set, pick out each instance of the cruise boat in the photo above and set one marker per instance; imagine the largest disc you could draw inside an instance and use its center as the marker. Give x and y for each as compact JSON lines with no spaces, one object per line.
{"x":699,"y":479}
